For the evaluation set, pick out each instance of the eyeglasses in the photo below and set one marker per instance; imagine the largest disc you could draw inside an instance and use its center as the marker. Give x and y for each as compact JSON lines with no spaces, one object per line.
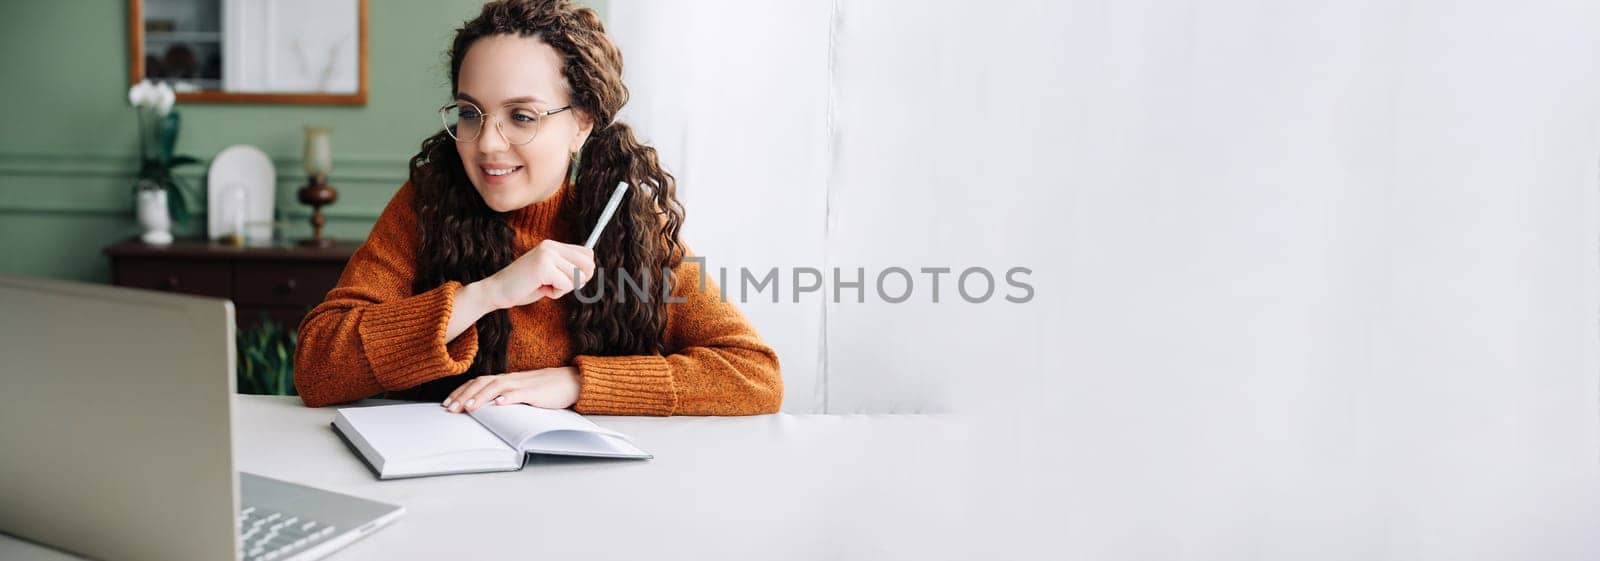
{"x":518,"y":125}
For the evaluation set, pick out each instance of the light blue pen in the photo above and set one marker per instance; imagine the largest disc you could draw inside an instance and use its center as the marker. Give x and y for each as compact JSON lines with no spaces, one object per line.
{"x":605,"y":215}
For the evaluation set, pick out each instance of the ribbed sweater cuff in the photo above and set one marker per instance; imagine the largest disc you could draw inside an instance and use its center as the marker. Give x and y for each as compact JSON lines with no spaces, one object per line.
{"x":625,"y":385}
{"x":404,"y":339}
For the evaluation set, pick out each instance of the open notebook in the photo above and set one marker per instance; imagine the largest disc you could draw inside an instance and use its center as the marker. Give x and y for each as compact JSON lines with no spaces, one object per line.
{"x":421,"y":439}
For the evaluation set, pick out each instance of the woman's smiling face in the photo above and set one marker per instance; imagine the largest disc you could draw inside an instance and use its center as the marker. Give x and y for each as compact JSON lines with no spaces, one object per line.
{"x":509,"y":77}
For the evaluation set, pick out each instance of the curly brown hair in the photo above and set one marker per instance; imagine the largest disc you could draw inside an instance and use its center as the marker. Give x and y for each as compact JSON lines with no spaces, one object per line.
{"x":464,"y":240}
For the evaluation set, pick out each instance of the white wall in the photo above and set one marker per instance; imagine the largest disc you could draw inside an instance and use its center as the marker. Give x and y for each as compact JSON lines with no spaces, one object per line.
{"x":1314,"y":280}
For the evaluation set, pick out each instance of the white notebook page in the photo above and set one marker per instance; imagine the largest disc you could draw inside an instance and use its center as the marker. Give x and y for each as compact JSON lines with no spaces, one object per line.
{"x":516,"y":423}
{"x":420,"y":430}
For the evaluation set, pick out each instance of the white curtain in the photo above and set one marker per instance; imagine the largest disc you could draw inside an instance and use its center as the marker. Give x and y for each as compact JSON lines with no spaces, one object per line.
{"x":1314,"y":280}
{"x":732,"y":94}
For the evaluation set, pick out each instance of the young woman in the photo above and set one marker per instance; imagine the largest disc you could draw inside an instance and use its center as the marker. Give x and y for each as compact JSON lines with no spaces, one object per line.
{"x":465,"y":290}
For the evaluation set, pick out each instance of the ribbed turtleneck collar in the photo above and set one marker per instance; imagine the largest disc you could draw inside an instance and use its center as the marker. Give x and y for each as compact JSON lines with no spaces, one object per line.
{"x":542,"y":220}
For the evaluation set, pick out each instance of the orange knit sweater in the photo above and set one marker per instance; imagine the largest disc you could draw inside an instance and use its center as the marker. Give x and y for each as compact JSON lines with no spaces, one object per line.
{"x":372,"y":334}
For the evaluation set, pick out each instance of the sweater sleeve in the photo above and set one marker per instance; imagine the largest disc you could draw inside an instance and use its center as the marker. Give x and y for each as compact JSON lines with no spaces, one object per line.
{"x":717,"y":365}
{"x":371,"y":334}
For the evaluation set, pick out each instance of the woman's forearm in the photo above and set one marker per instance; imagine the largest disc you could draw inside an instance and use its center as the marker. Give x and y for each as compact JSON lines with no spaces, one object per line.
{"x":471,"y":303}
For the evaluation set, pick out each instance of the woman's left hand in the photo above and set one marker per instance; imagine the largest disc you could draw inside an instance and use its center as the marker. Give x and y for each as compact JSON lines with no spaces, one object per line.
{"x":550,"y":388}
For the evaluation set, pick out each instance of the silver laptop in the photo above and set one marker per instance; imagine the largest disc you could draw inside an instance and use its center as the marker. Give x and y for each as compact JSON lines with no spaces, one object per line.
{"x":115,"y":442}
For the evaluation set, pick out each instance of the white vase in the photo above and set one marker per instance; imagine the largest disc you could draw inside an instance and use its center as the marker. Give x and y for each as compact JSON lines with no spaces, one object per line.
{"x":153,"y":217}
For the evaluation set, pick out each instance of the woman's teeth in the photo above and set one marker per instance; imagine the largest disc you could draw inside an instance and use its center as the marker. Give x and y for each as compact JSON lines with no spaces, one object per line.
{"x":500,"y":171}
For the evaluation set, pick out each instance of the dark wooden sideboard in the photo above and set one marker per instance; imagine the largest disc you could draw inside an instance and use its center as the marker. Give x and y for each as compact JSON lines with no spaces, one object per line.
{"x":281,"y":282}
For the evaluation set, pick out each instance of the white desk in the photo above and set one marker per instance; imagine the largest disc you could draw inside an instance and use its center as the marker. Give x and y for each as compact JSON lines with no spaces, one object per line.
{"x":765,"y":487}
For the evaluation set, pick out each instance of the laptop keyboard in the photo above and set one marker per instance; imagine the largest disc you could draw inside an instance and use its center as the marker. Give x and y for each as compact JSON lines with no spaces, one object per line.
{"x":268,"y":535}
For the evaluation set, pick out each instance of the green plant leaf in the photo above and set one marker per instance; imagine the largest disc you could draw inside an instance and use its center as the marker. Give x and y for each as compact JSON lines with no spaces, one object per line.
{"x":266,"y":358}
{"x":177,"y":202}
{"x":179,"y":182}
{"x":247,"y":377}
{"x":183,"y":160}
{"x":168,"y":136}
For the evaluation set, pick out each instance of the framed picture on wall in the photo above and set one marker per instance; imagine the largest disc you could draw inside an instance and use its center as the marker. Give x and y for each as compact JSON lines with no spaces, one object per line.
{"x":252,"y":51}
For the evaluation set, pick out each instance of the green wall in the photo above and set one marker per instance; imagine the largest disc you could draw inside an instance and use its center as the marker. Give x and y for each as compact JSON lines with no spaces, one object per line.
{"x":68,"y":144}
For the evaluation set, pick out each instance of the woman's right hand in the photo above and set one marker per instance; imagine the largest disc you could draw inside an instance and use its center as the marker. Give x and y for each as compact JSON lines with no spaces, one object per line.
{"x":546,"y":271}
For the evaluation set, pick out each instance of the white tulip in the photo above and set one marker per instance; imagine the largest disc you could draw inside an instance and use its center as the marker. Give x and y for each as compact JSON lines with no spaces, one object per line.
{"x":164,"y":99}
{"x":140,"y":94}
